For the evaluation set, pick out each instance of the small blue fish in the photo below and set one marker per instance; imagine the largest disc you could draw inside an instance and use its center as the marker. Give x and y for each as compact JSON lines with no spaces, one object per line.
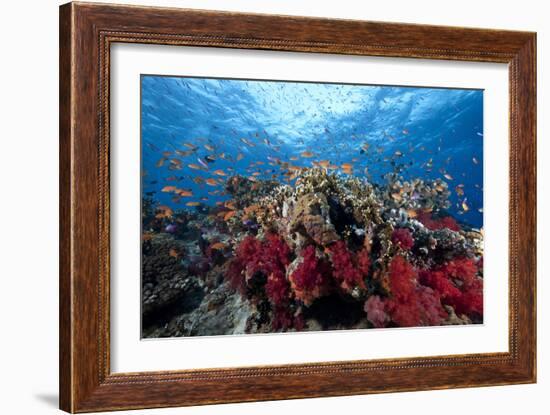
{"x":202,"y":163}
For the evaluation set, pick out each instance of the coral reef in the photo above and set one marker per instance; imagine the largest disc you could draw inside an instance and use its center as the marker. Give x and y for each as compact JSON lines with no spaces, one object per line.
{"x":328,"y":252}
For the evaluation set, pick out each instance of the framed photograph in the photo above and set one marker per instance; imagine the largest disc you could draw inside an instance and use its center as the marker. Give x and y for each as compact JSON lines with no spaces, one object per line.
{"x":260,"y":207}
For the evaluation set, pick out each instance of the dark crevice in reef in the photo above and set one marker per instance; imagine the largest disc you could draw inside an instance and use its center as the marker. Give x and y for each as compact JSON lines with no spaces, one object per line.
{"x":335,"y":311}
{"x":183,"y":305}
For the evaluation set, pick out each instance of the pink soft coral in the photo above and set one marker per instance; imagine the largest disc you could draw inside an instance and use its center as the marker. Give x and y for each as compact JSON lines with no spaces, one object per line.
{"x":432,"y":312}
{"x":402,"y":238}
{"x":376,"y":311}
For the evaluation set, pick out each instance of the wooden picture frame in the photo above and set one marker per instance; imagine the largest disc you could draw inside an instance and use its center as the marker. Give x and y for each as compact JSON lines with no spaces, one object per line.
{"x":86,"y":33}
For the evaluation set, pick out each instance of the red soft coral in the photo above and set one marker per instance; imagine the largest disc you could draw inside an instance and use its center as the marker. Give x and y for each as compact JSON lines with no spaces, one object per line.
{"x":309,"y":279}
{"x":402,"y":278}
{"x":438,"y":223}
{"x":464,"y":269}
{"x":268,"y":258}
{"x":403,"y":305}
{"x":344,"y":270}
{"x":276,"y":287}
{"x":363,"y":261}
{"x":402,"y":238}
{"x":457,"y":284}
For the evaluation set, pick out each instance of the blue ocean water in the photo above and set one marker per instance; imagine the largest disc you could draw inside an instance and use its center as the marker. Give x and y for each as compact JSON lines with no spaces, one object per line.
{"x":211,"y":129}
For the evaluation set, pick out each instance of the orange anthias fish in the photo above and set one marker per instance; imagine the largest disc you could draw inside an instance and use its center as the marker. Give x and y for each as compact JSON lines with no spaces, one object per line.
{"x":160,"y":163}
{"x":229,"y":215}
{"x":166,"y":189}
{"x":192,"y":204}
{"x":185,"y":193}
{"x":219,"y":172}
{"x":230,"y":205}
{"x":165,"y":212}
{"x":211,"y":182}
{"x":218,"y":246}
{"x":306,"y":154}
{"x":194,"y":166}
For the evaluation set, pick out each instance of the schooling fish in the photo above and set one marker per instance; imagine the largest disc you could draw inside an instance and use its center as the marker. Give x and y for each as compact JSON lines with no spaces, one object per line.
{"x":306,"y":154}
{"x":219,"y":172}
{"x":211,"y":182}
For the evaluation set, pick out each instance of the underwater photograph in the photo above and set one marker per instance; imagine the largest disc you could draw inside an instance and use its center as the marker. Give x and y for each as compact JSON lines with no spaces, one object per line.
{"x":283,"y":206}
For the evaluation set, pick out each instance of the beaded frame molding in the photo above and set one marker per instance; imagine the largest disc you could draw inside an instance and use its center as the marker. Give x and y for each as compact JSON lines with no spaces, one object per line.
{"x":86,"y":33}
